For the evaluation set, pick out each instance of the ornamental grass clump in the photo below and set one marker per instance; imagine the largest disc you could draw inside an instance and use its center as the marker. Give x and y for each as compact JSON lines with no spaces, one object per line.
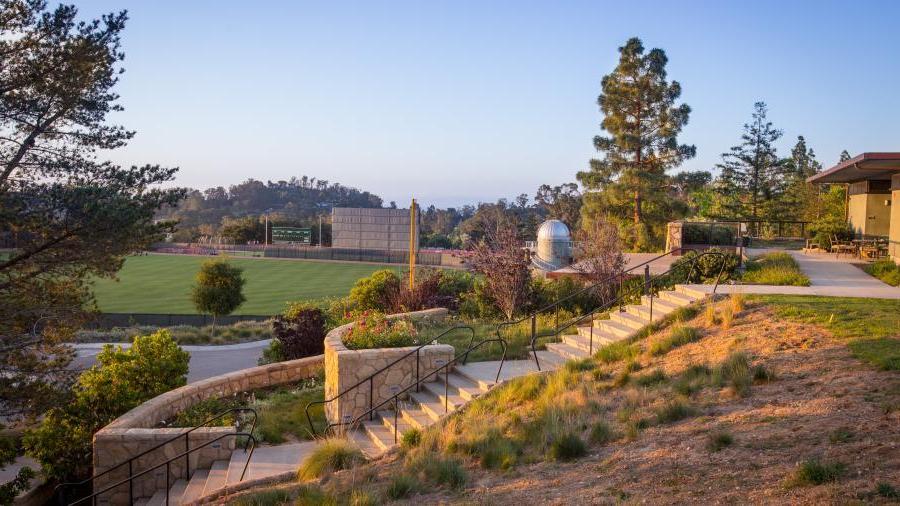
{"x":333,"y":454}
{"x":375,"y":330}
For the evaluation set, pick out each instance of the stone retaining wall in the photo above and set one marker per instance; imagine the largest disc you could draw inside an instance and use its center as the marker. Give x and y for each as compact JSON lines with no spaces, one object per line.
{"x":344,"y":368}
{"x":136,"y":431}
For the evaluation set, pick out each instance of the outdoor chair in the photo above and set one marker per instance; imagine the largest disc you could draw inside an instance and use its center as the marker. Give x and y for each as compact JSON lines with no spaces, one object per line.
{"x":838,"y":247}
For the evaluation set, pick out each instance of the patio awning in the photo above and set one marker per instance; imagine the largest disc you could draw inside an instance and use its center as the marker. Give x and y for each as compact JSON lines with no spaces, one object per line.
{"x":867,"y":166}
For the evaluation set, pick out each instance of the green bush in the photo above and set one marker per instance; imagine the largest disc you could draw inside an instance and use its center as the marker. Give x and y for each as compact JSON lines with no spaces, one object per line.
{"x":602,"y":433}
{"x":885,"y":270}
{"x":814,"y":472}
{"x":680,"y":335}
{"x":440,"y":470}
{"x":330,"y":455}
{"x":546,"y":291}
{"x":616,"y":352}
{"x":673,"y":411}
{"x":411,"y":438}
{"x":477,"y":303}
{"x":652,"y":378}
{"x":706,"y":267}
{"x":566,"y":447}
{"x":371,"y":293}
{"x":735,"y":372}
{"x":122,"y":379}
{"x":401,"y":487}
{"x":719,"y":440}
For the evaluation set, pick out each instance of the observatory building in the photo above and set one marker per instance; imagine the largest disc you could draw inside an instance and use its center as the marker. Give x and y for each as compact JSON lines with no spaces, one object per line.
{"x":553,"y":246}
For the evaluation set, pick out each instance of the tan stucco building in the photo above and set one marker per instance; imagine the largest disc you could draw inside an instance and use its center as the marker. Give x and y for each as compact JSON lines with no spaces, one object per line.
{"x":873,"y":201}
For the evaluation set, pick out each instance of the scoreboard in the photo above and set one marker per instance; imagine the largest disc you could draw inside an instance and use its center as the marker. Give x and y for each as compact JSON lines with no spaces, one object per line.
{"x":291,"y":235}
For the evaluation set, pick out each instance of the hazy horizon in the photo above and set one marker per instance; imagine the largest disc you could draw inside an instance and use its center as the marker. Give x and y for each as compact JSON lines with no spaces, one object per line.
{"x":460,"y":102}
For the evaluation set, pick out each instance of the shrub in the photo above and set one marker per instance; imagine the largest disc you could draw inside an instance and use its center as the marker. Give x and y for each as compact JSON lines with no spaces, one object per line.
{"x":411,"y":438}
{"x":885,"y":270}
{"x":582,"y":365}
{"x":680,"y":335}
{"x":547,"y":291}
{"x":601,"y":433}
{"x":122,"y":379}
{"x":440,"y":470}
{"x":719,"y":440}
{"x":617,"y":352}
{"x":706,"y":268}
{"x":734,"y":371}
{"x":692,"y":380}
{"x":566,"y":447}
{"x":650,"y":379}
{"x":814,"y":472}
{"x":401,"y":487}
{"x":763,"y":374}
{"x":425,"y":294}
{"x":374,"y":330}
{"x":371,"y":293}
{"x":330,"y":455}
{"x":496,"y":451}
{"x":300,"y":331}
{"x":674,"y":410}
{"x":887,"y":491}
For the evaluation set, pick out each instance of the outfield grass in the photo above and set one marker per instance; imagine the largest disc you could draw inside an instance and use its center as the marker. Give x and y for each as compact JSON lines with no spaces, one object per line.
{"x":162,"y":283}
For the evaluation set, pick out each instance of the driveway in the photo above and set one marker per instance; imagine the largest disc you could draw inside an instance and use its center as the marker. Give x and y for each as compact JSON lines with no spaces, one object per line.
{"x":206,"y":361}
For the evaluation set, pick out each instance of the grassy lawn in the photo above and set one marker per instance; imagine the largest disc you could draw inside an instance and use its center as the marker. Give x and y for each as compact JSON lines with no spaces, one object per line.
{"x":778,"y":269}
{"x":162,"y":283}
{"x":870,"y":326}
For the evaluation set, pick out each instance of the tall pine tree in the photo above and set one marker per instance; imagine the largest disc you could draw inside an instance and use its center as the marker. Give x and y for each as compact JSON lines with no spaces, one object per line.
{"x":751,"y":178}
{"x":629,"y":183}
{"x":801,"y":199}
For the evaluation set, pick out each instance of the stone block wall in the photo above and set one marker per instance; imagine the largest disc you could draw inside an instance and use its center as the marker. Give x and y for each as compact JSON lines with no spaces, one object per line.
{"x":345,"y":368}
{"x":135,"y":431}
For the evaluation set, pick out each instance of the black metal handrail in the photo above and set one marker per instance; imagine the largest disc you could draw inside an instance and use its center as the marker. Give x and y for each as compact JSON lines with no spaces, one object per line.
{"x":445,"y":367}
{"x":168,"y":463}
{"x":370,"y":379}
{"x":61,"y":488}
{"x":646,"y":288}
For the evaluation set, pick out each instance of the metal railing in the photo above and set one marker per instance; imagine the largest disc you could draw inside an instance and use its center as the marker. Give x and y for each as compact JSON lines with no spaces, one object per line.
{"x":185,"y":455}
{"x":622,"y":295}
{"x":371,"y":378}
{"x":60,"y":490}
{"x":395,"y":399}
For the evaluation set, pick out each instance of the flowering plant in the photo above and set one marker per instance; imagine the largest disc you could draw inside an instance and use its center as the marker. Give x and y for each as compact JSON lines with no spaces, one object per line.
{"x":374,"y":330}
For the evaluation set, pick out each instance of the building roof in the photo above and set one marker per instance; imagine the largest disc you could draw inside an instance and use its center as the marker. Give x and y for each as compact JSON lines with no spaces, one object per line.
{"x":866,"y":166}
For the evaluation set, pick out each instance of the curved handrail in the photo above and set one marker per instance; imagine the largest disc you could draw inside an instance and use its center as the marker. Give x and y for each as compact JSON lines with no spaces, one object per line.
{"x":167,"y":463}
{"x":63,"y":486}
{"x":646,"y":286}
{"x":368,"y":379}
{"x":421,"y":380}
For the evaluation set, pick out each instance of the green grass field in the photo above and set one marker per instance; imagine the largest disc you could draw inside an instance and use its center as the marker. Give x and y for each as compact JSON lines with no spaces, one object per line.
{"x":162,"y":283}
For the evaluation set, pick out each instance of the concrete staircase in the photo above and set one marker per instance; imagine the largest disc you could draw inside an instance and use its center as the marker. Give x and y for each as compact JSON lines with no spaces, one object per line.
{"x":267,"y":461}
{"x":467,"y":382}
{"x":434,"y":400}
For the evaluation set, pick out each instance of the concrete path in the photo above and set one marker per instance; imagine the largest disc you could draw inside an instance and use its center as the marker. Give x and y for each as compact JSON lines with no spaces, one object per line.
{"x":206,"y":361}
{"x":828,"y":277}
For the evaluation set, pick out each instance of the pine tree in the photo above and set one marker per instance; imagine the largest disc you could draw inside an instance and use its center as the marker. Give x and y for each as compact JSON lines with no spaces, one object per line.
{"x":751,"y":175}
{"x":844,"y":156}
{"x":629,"y":183}
{"x":801,"y":199}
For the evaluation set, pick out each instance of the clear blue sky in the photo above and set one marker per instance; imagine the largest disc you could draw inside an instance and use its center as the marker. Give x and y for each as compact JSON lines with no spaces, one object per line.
{"x":455,"y":102}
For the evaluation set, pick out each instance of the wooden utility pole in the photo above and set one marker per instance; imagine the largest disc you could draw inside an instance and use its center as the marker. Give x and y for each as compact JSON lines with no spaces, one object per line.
{"x":412,"y":245}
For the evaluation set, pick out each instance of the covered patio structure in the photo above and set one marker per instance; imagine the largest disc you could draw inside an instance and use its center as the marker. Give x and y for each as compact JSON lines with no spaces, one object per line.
{"x":873,"y":185}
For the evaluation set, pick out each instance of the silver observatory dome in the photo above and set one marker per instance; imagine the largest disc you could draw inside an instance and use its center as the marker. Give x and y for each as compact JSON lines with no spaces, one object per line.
{"x":554,"y":243}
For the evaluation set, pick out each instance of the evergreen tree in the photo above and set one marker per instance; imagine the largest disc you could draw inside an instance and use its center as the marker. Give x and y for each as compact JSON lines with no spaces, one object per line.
{"x":801,"y":199}
{"x":751,"y":175}
{"x":629,"y":183}
{"x":844,"y":156}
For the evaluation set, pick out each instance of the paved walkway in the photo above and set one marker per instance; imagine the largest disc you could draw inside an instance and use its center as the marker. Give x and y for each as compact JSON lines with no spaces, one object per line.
{"x":828,"y":277}
{"x":206,"y":361}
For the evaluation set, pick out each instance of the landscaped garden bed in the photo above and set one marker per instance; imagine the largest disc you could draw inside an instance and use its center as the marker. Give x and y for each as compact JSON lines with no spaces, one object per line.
{"x":885,"y":270}
{"x":240,"y":332}
{"x":779,"y":269}
{"x":281,"y":410}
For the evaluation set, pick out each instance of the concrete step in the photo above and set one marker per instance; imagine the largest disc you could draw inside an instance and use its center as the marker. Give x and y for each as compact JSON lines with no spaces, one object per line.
{"x":644,"y":311}
{"x":176,"y":491}
{"x":440,"y":390}
{"x":218,"y":475}
{"x":599,"y":335}
{"x":416,"y":417}
{"x":567,"y":351}
{"x":616,"y":329}
{"x":549,"y":361}
{"x":478,"y":374}
{"x":431,"y":405}
{"x":678,"y":298}
{"x":379,"y":434}
{"x":387,"y":419}
{"x":197,"y":485}
{"x":583,"y":343}
{"x":365,"y":443}
{"x":466,"y":388}
{"x":628,"y":319}
{"x":268,"y":461}
{"x":693,"y":292}
{"x":158,"y":499}
{"x":659,"y":303}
